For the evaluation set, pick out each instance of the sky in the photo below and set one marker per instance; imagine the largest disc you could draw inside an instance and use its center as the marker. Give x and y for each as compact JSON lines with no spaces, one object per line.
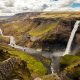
{"x":11,"y":7}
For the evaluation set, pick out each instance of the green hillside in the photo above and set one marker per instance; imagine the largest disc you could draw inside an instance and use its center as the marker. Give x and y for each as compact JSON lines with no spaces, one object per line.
{"x":36,"y":67}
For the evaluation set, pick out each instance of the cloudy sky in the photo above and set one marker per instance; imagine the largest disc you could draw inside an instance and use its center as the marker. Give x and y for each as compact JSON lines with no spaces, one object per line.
{"x":11,"y":7}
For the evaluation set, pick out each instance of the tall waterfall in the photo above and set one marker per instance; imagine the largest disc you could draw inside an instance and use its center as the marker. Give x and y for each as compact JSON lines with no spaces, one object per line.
{"x":68,"y":48}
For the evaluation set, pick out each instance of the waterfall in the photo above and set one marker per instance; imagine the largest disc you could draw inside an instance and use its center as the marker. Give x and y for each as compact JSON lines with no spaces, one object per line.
{"x":52,"y":66}
{"x":55,"y":64}
{"x":12,"y":41}
{"x":1,"y":33}
{"x":68,"y":48}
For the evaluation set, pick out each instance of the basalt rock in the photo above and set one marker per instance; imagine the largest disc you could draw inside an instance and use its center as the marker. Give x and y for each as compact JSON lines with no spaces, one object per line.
{"x":71,"y":72}
{"x":8,"y":69}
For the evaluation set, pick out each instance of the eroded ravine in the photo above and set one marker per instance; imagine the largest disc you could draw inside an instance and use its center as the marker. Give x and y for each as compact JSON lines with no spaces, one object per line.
{"x":12,"y":43}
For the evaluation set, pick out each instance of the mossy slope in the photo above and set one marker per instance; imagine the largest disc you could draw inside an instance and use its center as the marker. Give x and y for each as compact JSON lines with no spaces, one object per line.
{"x":71,"y":67}
{"x":35,"y":67}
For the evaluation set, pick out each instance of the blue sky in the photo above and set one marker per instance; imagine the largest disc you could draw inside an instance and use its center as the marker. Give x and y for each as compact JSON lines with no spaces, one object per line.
{"x":74,"y":5}
{"x":11,"y":7}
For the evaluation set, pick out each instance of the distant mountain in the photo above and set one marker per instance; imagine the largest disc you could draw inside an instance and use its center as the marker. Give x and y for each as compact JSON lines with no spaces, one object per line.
{"x":4,"y":17}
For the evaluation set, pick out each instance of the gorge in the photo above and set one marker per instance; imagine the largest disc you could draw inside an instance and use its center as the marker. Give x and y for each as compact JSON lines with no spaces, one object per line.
{"x":48,"y":37}
{"x":29,"y":50}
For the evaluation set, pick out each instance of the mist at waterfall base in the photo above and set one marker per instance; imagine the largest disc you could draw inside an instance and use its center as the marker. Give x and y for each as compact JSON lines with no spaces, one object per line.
{"x":55,"y":56}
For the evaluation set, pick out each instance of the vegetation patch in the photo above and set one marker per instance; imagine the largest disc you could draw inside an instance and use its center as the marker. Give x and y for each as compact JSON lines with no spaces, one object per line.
{"x":68,"y":60}
{"x":43,"y":29}
{"x":4,"y":39}
{"x":35,"y":66}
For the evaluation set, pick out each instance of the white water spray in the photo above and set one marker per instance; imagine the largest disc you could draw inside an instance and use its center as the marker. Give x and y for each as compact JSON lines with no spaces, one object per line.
{"x":12,"y":41}
{"x":1,"y":33}
{"x":68,"y":48}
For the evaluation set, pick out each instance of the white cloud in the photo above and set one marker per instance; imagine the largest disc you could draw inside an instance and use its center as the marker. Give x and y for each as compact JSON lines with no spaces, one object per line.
{"x":77,"y":1}
{"x":9,"y":7}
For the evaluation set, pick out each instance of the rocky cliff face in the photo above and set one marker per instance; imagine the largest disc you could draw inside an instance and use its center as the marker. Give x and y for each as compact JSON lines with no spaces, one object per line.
{"x":13,"y":68}
{"x":36,"y":30}
{"x":71,"y":70}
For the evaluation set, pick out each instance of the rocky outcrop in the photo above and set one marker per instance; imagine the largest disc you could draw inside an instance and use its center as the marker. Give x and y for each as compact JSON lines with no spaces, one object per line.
{"x":71,"y":72}
{"x":8,"y":69}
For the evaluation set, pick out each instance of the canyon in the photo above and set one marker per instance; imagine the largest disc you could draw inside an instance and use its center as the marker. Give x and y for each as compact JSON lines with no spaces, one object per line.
{"x":44,"y":34}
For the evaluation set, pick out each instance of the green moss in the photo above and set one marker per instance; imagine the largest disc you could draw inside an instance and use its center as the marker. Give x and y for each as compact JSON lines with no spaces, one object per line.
{"x":43,"y":29}
{"x":71,"y":66}
{"x":68,"y":60}
{"x":76,"y":73}
{"x":35,"y":66}
{"x":73,"y":71}
{"x":78,"y":52}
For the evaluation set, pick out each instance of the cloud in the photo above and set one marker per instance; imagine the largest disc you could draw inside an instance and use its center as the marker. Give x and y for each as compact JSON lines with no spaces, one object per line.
{"x":9,"y":7}
{"x":9,"y":3}
{"x":77,"y":1}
